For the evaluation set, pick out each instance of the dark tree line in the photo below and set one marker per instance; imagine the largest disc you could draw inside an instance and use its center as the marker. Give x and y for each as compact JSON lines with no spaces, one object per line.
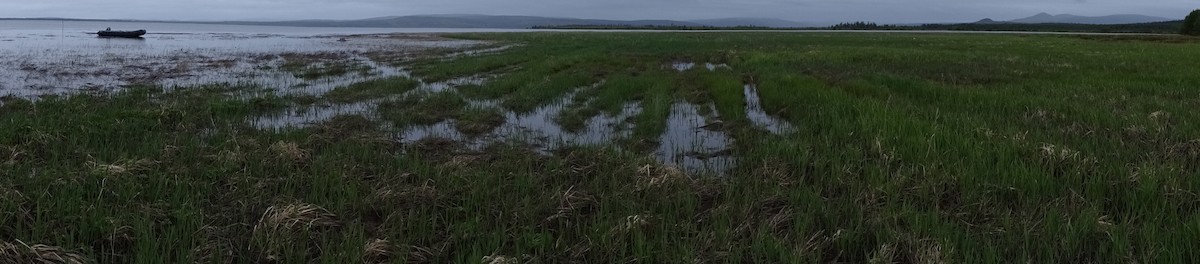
{"x":1191,"y":24}
{"x":862,"y":25}
{"x":648,"y":27}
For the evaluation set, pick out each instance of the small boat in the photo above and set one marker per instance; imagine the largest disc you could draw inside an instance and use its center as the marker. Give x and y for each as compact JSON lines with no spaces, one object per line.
{"x":121,"y":34}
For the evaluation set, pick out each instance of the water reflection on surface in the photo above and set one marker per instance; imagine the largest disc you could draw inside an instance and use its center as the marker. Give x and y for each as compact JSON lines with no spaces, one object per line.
{"x":537,"y":128}
{"x":695,"y":142}
{"x":760,"y":118}
{"x":687,"y":66}
{"x":33,"y":63}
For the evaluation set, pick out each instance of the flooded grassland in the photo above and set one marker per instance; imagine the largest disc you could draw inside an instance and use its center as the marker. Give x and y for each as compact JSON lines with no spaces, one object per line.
{"x":599,"y":147}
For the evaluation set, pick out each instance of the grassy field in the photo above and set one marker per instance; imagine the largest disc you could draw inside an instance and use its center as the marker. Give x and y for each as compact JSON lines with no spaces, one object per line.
{"x":910,"y":148}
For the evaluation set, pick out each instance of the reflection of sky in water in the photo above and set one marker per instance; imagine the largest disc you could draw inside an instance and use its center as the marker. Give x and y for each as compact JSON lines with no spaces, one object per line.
{"x":760,"y":118}
{"x":303,"y":116}
{"x":37,"y":57}
{"x":690,"y":144}
{"x":537,"y":128}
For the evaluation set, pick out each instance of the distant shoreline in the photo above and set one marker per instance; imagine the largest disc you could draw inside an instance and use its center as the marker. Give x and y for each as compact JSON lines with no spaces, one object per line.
{"x":1155,"y":28}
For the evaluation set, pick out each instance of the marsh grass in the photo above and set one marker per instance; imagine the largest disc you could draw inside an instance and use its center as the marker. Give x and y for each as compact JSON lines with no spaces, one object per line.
{"x":320,"y":65}
{"x":479,"y":120}
{"x":373,"y":89}
{"x":912,"y":148}
{"x":423,"y":108}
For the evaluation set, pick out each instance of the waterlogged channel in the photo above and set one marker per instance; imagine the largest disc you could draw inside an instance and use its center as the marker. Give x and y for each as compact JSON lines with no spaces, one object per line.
{"x":758,"y":116}
{"x":695,"y":138}
{"x":537,"y":128}
{"x":695,"y":142}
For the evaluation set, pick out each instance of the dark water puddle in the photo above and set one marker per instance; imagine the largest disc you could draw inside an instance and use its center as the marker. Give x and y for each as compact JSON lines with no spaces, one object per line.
{"x":760,"y":118}
{"x":694,"y":142}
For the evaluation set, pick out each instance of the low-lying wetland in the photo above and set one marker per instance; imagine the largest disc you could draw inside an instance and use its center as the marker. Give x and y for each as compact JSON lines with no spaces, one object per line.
{"x":288,"y":64}
{"x":557,"y":147}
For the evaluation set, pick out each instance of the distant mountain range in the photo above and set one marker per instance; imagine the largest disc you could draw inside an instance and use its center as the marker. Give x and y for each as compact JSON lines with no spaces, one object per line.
{"x":1044,"y":18}
{"x":514,"y":22}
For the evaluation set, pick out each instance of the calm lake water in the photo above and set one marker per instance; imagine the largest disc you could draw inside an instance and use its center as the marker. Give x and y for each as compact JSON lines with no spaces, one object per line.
{"x":39,"y":57}
{"x":82,"y":28}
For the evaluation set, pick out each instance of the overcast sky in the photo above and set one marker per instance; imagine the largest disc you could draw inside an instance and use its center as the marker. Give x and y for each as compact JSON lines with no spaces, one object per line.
{"x":884,"y":11}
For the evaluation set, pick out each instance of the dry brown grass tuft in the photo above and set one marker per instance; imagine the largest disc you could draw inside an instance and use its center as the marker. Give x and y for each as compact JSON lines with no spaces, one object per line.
{"x":345,"y":127}
{"x":1160,"y":115}
{"x":214,"y":252}
{"x":121,"y":167}
{"x":228,"y":157}
{"x":1060,"y":154}
{"x":910,"y":249}
{"x":631,"y":224}
{"x":378,"y":251}
{"x":291,"y":227}
{"x":10,"y":155}
{"x":1187,"y":150}
{"x":38,"y":253}
{"x":422,"y":254}
{"x":775,"y":170}
{"x":572,"y":203}
{"x":774,"y":213}
{"x":885,"y":254}
{"x":818,"y":243}
{"x":656,"y":176}
{"x":424,"y":194}
{"x":39,"y":137}
{"x":289,"y":151}
{"x":501,"y":259}
{"x":464,"y":161}
{"x":218,"y":247}
{"x":295,"y":217}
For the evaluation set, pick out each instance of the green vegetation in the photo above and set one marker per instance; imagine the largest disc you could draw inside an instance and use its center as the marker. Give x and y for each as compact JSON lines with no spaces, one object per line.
{"x":1165,"y":27}
{"x":652,"y":27}
{"x":319,"y":65}
{"x":479,"y":120}
{"x":371,"y":89}
{"x":913,"y":148}
{"x":422,"y":108}
{"x":1191,"y":24}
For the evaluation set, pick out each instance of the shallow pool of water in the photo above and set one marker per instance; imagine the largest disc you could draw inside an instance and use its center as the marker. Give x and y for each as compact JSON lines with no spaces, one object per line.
{"x":760,"y":118}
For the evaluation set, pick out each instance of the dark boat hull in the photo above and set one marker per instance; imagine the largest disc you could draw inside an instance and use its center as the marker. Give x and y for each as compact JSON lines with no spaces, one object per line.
{"x":121,"y":34}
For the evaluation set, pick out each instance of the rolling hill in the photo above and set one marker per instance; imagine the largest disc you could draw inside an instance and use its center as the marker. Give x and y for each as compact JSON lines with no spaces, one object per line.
{"x":1044,"y":18}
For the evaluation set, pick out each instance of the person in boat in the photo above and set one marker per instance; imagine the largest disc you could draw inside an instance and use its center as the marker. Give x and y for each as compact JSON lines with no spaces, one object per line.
{"x":108,"y":29}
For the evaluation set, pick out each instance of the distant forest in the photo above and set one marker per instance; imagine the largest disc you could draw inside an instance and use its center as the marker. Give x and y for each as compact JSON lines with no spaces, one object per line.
{"x":652,"y":27}
{"x":1168,"y":27}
